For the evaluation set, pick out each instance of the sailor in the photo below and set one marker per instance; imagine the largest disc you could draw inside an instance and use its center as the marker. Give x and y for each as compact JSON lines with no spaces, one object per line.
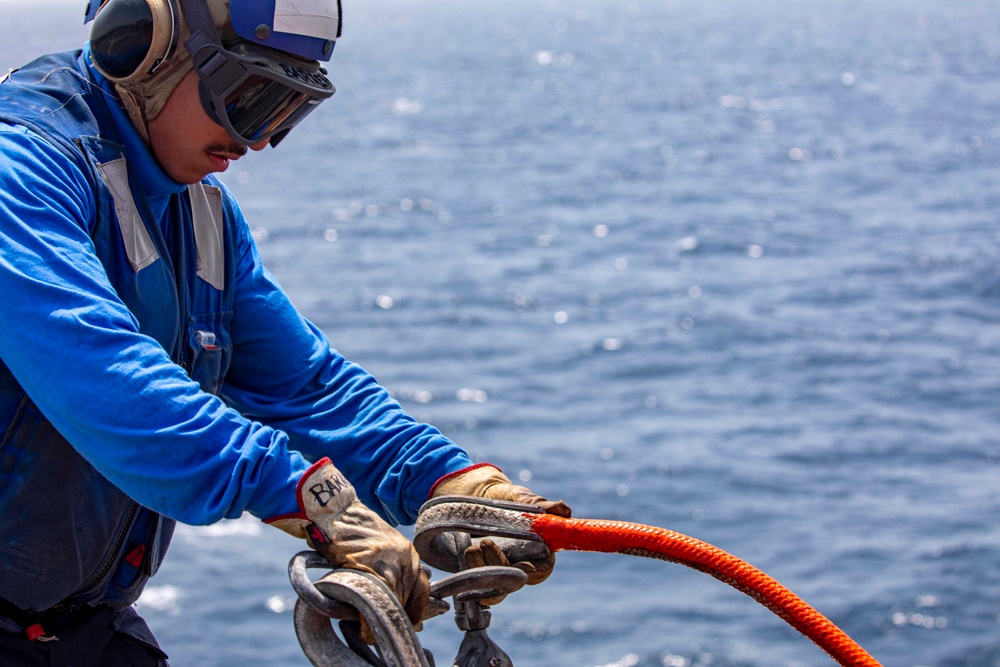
{"x":151,"y":369}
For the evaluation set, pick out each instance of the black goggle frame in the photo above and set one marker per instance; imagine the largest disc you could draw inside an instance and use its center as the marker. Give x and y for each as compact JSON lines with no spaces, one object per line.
{"x":257,"y":93}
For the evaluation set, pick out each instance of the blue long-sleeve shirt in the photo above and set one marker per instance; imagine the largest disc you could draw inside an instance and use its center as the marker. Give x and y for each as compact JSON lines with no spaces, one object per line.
{"x":117,"y":397}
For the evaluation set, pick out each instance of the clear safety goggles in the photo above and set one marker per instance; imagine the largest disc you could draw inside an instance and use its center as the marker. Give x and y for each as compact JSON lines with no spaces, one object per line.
{"x":257,"y":93}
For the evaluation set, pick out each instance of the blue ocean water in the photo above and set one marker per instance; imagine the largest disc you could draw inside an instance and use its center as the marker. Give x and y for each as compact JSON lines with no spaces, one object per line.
{"x":726,"y":267}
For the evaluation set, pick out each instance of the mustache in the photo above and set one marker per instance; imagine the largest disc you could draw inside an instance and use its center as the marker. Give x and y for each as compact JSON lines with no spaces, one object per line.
{"x":231,"y":149}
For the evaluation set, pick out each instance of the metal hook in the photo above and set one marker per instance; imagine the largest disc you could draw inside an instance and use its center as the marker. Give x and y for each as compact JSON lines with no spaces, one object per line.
{"x":445,"y":526}
{"x":345,"y":594}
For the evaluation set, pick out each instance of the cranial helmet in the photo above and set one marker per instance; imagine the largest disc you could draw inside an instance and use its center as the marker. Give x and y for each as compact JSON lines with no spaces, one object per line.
{"x":258,"y":61}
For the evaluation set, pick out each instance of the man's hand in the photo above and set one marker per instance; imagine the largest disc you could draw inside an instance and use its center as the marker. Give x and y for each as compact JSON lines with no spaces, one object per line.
{"x":485,"y":481}
{"x":348,"y":534}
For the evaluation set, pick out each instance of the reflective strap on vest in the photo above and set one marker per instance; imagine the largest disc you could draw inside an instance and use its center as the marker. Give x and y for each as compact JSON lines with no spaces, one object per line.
{"x":206,"y":212}
{"x":138,"y":245}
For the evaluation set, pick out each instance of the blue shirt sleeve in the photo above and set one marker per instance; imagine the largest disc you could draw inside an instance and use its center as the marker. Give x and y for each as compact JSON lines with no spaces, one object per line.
{"x":285,"y":373}
{"x":112,"y":392}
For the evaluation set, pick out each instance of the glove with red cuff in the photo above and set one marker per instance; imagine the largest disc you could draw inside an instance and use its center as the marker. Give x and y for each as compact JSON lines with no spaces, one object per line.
{"x":335,"y":523}
{"x":486,"y":481}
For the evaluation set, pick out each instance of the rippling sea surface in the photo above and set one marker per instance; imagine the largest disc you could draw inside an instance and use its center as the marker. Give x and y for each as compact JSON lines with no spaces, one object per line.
{"x":725,"y":267}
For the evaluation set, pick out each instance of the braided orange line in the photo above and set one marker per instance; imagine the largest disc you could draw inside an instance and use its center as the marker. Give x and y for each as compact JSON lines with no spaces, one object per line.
{"x":651,"y":542}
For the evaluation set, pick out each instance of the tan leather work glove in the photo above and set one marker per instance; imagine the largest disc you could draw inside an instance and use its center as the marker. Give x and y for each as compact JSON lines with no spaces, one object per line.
{"x":486,"y":481}
{"x":335,"y":523}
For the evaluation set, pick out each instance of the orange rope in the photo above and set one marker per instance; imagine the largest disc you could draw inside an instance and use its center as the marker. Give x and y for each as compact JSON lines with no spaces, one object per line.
{"x":639,"y":540}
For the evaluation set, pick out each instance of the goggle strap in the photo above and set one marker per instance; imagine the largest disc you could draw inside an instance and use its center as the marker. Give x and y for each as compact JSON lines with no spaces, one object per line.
{"x":198,"y":42}
{"x":200,"y":23}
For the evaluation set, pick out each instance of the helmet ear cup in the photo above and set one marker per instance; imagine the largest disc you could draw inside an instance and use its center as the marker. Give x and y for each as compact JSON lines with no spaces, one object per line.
{"x":130,"y":38}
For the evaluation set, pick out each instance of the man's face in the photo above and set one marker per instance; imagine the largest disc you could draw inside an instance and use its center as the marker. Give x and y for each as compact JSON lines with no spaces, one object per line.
{"x":186,"y":142}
